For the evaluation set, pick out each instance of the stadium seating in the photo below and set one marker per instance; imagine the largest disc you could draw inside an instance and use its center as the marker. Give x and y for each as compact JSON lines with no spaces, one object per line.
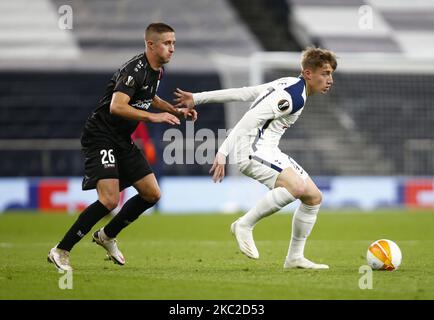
{"x":397,"y":26}
{"x":29,"y":31}
{"x":269,"y":21}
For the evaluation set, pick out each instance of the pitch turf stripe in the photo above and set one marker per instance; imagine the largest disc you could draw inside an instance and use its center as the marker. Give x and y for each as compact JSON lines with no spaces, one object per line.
{"x":9,"y":245}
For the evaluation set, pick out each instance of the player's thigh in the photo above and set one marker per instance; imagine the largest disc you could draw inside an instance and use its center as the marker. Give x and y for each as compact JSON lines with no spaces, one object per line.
{"x":293,"y":177}
{"x":260,"y":171}
{"x":300,"y":186}
{"x":291,"y":181}
{"x":148,"y":188}
{"x":100,"y":162}
{"x":108,"y":192}
{"x":133,"y":167}
{"x":101,"y":171}
{"x":265,"y":165}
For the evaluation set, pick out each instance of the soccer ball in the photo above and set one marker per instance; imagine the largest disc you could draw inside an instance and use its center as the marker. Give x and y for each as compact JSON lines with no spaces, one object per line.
{"x":384,"y":255}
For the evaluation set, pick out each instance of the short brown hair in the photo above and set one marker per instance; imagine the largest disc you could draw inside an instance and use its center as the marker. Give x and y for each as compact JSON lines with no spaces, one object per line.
{"x":314,"y":58}
{"x":157,"y":27}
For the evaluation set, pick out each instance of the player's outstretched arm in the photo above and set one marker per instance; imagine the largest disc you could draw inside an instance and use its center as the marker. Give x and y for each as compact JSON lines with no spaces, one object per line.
{"x":189,"y":100}
{"x":182,"y":113}
{"x":119,"y":106}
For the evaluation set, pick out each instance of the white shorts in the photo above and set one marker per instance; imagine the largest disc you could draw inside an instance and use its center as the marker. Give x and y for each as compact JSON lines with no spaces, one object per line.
{"x":266,"y":165}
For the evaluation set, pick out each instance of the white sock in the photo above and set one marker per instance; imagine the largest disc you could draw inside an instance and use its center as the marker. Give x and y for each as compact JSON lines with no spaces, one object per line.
{"x":103,"y":235}
{"x":302,"y":223}
{"x":273,"y":201}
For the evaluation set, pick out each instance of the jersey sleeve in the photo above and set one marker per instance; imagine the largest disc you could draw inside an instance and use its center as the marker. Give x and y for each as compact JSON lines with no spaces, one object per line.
{"x":281,"y":105}
{"x":289,"y":100}
{"x":129,"y":81}
{"x":229,"y":95}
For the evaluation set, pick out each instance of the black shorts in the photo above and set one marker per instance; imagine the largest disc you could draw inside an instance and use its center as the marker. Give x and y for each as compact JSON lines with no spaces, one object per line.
{"x":108,"y":160}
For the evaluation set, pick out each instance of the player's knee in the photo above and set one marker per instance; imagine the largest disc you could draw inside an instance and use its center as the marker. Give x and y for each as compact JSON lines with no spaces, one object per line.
{"x":153,"y":196}
{"x":317,"y":198}
{"x":109,"y":201}
{"x":313,"y":199}
{"x":297,"y":189}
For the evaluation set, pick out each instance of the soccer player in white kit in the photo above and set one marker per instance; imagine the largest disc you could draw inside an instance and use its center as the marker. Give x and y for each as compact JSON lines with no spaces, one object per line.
{"x":255,"y":138}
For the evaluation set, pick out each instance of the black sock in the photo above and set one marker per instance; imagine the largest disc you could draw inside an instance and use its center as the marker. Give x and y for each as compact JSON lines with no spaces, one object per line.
{"x":87,"y":219}
{"x":130,"y":211}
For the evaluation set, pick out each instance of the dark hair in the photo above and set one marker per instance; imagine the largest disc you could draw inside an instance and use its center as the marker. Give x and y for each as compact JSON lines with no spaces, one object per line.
{"x":157,"y":27}
{"x":313,"y":58}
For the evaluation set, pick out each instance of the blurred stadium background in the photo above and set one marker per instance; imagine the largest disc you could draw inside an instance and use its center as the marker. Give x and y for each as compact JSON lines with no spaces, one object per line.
{"x":368,"y":144}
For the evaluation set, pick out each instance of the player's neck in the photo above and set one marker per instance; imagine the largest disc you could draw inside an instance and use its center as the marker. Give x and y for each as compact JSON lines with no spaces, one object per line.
{"x":308,"y":87}
{"x":308,"y":90}
{"x":153,"y":61}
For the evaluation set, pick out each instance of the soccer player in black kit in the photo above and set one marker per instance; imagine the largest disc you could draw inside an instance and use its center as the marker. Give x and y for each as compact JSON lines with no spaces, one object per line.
{"x":112,"y":161}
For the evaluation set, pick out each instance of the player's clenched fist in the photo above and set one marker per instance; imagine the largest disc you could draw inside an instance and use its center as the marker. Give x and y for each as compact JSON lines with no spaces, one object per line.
{"x":187,"y":113}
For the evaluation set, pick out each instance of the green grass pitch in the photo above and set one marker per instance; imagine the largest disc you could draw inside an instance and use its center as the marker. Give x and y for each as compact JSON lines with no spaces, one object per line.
{"x":196,"y":257}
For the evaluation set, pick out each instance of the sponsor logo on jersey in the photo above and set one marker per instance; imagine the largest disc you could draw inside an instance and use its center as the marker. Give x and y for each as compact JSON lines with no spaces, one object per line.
{"x":138,"y":66}
{"x":283,"y":105}
{"x":147,"y":87}
{"x":142,"y":104}
{"x":130,"y":82}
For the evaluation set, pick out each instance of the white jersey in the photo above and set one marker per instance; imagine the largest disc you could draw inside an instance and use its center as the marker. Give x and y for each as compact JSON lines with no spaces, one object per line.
{"x":276,"y":106}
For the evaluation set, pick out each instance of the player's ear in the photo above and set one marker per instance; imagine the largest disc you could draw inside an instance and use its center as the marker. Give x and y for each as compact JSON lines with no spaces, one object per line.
{"x":307,"y":74}
{"x":149,"y":44}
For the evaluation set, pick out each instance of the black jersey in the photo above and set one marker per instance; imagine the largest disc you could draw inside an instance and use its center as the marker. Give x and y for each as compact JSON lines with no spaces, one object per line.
{"x":139,"y":81}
